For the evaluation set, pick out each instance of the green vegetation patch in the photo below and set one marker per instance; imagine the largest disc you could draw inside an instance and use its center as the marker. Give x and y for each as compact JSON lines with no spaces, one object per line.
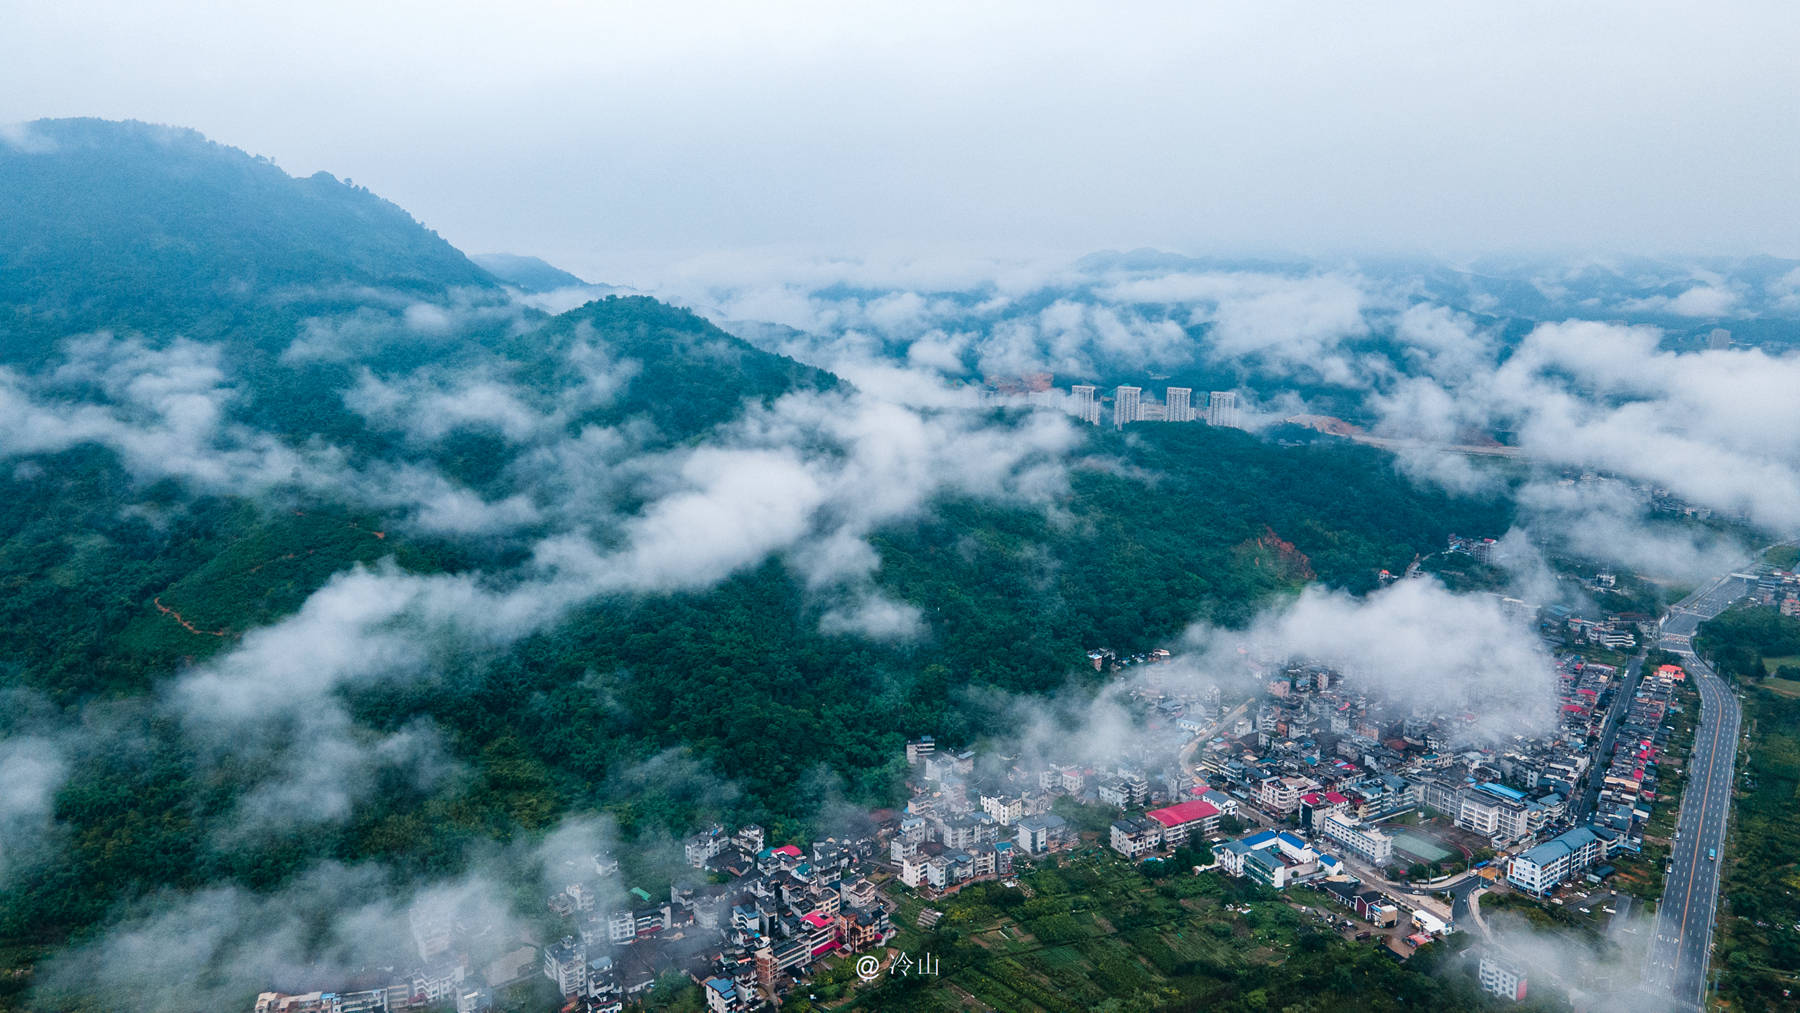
{"x":1758,"y":950}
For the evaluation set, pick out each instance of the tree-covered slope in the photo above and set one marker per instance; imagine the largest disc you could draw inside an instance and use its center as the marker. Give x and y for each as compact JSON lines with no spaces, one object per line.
{"x":130,"y":224}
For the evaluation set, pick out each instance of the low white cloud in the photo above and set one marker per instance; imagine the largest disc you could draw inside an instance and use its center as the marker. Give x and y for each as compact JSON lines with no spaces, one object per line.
{"x":1412,"y":643}
{"x":32,"y":768}
{"x":331,"y":925}
{"x":1699,"y":301}
{"x":428,"y":411}
{"x":1719,"y":429}
{"x":876,"y":618}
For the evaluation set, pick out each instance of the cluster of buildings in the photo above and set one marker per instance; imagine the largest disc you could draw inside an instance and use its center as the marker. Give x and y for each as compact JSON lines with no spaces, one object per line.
{"x":753,"y":918}
{"x":1338,"y":761}
{"x":1778,"y":589}
{"x":1625,"y":800}
{"x":961,"y":825}
{"x":361,"y":1001}
{"x":758,"y":916}
{"x":1132,"y":404}
{"x":1280,"y":858}
{"x":1479,"y":549}
{"x":1629,"y":788}
{"x":1613,"y":630}
{"x":445,"y":936}
{"x":1128,"y":404}
{"x":1165,"y":828}
{"x":1274,"y":859}
{"x":1336,"y":764}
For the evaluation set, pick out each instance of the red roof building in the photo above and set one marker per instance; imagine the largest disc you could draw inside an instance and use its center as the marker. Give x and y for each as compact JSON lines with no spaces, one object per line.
{"x":1183,"y":813}
{"x":1183,"y":819}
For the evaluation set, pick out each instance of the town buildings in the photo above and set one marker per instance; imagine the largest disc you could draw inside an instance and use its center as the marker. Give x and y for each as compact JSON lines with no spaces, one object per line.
{"x":1314,"y":753}
{"x":1163,"y":829}
{"x":1275,"y":859}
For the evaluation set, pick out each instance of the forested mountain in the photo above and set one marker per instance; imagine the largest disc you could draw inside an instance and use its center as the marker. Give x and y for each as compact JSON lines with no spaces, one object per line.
{"x":253,"y":420}
{"x":132,"y":224}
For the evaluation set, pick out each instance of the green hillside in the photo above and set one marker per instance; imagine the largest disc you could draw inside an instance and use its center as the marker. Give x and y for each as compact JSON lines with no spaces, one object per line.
{"x":132,"y":224}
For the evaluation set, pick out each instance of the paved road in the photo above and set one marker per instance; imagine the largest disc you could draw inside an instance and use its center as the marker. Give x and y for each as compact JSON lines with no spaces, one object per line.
{"x":1682,"y":943}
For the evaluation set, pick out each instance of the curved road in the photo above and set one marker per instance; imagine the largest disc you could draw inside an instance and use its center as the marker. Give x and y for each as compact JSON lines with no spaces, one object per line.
{"x":1682,"y":943}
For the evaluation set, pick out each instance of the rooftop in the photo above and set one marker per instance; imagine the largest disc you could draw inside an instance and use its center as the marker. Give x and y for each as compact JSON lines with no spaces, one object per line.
{"x":1184,"y":812}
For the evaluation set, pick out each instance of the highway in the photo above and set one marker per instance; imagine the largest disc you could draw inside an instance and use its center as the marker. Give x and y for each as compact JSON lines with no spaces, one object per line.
{"x":1676,"y":964}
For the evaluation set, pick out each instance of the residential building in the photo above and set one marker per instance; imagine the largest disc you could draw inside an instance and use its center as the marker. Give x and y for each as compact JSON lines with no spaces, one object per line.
{"x":820,"y":931}
{"x":1184,"y":820}
{"x":565,"y":963}
{"x":1316,"y":805}
{"x":1136,"y":836}
{"x":857,"y":893}
{"x":1272,"y":858}
{"x":1502,"y":979}
{"x":1177,"y":404}
{"x":1127,"y":405}
{"x":1222,"y":409}
{"x":1038,"y":834}
{"x":706,"y":844}
{"x":1221,"y":801}
{"x":1282,"y":794}
{"x":861,"y":929}
{"x":1373,"y":846}
{"x":724,"y":996}
{"x":1083,"y":404}
{"x":1123,"y":792}
{"x":1539,"y":870}
{"x":1005,"y":809}
{"x":912,"y":870}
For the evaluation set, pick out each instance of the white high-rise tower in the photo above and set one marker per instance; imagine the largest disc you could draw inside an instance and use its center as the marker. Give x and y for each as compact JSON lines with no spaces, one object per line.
{"x":1085,"y":407}
{"x":1127,"y":405}
{"x":1222,"y":409}
{"x":1178,"y":400}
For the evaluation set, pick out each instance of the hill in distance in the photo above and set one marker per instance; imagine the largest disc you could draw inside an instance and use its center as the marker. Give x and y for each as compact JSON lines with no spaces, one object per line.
{"x":528,"y":274}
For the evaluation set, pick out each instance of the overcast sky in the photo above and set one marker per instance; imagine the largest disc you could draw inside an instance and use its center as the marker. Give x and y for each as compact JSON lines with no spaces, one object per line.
{"x":610,"y":136}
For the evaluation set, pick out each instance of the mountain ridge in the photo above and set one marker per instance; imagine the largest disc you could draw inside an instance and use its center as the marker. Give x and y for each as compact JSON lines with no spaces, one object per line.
{"x":124,"y":222}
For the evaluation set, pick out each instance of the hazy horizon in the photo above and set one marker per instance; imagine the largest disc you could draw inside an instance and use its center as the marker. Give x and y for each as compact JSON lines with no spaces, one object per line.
{"x":611,"y":141}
